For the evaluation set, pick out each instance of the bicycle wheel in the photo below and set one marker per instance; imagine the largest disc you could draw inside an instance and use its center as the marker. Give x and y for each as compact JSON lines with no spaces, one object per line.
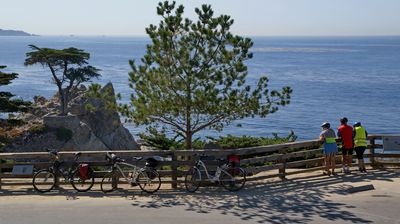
{"x":233,"y":178}
{"x":82,"y":184}
{"x":192,"y":179}
{"x":44,"y":180}
{"x":149,"y":180}
{"x":109,"y":183}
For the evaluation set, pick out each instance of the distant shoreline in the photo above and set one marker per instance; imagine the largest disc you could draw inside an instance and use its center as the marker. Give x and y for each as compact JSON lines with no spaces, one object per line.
{"x":251,"y":36}
{"x":15,"y":33}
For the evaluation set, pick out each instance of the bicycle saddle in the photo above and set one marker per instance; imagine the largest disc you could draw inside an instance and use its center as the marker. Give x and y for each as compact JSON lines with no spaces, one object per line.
{"x":77,"y":154}
{"x":137,"y":158}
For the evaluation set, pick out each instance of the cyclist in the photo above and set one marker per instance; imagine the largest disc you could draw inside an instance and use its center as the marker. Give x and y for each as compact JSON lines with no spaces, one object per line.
{"x":360,"y":144}
{"x":345,"y":133}
{"x":328,"y":137}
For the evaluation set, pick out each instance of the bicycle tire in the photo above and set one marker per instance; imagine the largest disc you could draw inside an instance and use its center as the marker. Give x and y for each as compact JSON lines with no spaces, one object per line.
{"x":233,"y":179}
{"x":44,"y":178}
{"x":149,"y":178}
{"x":109,"y":183}
{"x":82,"y":185}
{"x":192,"y":179}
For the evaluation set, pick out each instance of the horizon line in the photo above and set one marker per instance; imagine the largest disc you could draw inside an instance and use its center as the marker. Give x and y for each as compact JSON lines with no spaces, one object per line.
{"x":255,"y":36}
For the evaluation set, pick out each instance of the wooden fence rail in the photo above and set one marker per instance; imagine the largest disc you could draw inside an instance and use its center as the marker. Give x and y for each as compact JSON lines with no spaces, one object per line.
{"x":304,"y":155}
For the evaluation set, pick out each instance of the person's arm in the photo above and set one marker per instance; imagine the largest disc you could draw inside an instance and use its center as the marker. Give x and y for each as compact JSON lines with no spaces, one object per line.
{"x":321,"y":138}
{"x":366,"y":134}
{"x":338,"y":134}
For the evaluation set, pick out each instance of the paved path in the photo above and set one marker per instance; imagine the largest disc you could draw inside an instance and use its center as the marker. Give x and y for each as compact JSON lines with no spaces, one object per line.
{"x":311,"y":199}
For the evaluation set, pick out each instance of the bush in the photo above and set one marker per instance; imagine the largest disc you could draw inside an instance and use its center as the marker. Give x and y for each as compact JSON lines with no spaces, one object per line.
{"x":15,"y":122}
{"x":234,"y":142}
{"x":38,"y":129}
{"x":159,"y":140}
{"x":63,"y":134}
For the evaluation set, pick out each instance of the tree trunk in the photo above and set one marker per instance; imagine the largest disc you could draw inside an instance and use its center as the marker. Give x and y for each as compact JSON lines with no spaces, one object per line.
{"x":64,"y":102}
{"x":188,"y":140}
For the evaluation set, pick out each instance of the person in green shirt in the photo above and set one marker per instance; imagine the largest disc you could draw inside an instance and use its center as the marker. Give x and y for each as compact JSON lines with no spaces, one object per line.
{"x":360,"y":144}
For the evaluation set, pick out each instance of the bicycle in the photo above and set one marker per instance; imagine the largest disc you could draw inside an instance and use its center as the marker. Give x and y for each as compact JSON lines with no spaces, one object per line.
{"x":230,"y":176}
{"x":146,"y":177}
{"x":79,"y":175}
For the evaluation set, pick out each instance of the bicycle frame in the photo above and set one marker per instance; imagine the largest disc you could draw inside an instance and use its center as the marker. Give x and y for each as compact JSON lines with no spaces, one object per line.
{"x":135,"y":171}
{"x":67,"y":171}
{"x":212,"y":178}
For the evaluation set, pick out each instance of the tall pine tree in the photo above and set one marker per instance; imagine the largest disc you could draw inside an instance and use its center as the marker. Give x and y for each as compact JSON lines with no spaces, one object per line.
{"x":193,"y":75}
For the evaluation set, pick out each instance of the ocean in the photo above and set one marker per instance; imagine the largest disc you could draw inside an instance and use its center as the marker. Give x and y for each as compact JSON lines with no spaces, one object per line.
{"x":331,"y":77}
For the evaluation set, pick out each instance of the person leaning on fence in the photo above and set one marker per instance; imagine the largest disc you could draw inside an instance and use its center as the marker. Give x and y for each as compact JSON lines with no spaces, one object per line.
{"x":345,"y":133}
{"x":360,"y":144}
{"x":328,"y":137}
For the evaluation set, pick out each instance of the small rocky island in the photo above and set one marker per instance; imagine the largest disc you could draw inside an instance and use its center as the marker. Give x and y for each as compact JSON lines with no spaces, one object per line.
{"x":14,"y":33}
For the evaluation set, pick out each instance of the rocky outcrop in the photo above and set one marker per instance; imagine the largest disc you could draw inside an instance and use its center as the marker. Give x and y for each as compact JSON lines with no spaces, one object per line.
{"x":103,"y":121}
{"x":90,"y":125}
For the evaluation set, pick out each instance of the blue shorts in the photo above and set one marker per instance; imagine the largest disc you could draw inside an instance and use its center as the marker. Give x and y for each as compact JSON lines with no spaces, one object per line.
{"x":330,"y":148}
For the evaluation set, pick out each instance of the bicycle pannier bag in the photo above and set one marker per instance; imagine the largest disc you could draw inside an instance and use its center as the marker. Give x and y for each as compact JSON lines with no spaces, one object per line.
{"x":234,"y":160}
{"x":84,"y":171}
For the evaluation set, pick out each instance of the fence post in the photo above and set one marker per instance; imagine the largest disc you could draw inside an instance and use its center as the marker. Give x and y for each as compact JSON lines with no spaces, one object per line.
{"x":174,"y":167}
{"x":1,"y":171}
{"x":57,"y":183}
{"x":282,"y":171}
{"x":372,"y":151}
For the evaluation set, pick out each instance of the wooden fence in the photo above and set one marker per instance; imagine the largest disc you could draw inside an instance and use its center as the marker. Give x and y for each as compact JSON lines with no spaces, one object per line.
{"x":279,"y":159}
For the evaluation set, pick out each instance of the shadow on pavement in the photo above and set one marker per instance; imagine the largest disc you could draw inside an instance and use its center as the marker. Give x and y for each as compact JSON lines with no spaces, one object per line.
{"x":297,"y":200}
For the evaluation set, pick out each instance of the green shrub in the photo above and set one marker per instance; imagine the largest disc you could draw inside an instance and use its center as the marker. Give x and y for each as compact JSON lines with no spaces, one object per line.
{"x":63,"y":134}
{"x":234,"y":142}
{"x":159,"y":140}
{"x":15,"y":122}
{"x":38,"y":129}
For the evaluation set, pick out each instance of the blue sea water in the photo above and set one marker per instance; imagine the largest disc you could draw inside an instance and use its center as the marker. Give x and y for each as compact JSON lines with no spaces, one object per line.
{"x":331,"y":77}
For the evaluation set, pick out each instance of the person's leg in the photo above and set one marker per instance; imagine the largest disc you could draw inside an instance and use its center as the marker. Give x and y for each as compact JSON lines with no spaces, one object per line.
{"x":359,"y":158}
{"x":327,"y":164}
{"x":351,"y":151}
{"x":344,"y":159}
{"x":349,"y":159}
{"x":344,"y":164}
{"x":362,"y":159}
{"x":333,"y":162}
{"x":361,"y":164}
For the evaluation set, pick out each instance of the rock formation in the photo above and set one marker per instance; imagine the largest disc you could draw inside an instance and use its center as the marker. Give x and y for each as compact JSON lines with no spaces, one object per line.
{"x":82,"y":129}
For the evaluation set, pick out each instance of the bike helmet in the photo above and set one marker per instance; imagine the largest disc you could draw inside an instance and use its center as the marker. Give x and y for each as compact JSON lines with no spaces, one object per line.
{"x":326,"y":125}
{"x":357,"y":123}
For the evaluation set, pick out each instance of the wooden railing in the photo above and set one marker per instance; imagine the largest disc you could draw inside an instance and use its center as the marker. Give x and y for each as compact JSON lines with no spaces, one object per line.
{"x":279,"y":159}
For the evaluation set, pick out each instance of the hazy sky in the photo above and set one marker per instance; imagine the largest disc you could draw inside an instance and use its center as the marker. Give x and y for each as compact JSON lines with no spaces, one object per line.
{"x":252,"y":17}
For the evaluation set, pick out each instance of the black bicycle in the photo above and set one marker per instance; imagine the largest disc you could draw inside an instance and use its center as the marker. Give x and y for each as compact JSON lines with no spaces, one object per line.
{"x":80,"y":175}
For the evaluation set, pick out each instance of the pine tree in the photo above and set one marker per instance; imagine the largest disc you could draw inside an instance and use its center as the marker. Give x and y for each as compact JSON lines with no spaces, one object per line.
{"x":68,"y":68}
{"x":193,"y":75}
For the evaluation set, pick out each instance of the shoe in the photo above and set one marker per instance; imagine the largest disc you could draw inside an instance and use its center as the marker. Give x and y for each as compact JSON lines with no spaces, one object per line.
{"x":327,"y":173}
{"x":364,"y":170}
